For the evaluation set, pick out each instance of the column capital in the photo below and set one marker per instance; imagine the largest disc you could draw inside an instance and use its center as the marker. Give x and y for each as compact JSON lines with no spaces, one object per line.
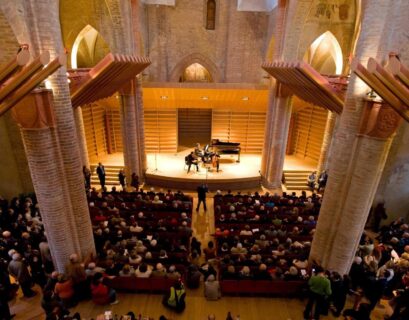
{"x":379,"y":120}
{"x":36,"y":110}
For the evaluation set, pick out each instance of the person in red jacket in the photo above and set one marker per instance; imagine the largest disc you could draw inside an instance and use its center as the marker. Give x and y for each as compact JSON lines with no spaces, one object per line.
{"x":101,"y":293}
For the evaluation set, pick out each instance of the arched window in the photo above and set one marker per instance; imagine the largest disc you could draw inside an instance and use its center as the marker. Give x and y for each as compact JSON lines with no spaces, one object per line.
{"x":196,"y":73}
{"x":88,"y":48}
{"x":211,"y":15}
{"x":325,"y":54}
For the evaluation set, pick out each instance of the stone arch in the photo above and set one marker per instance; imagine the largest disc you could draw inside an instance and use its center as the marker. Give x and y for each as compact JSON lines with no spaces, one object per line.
{"x":89,"y":37}
{"x":325,"y":54}
{"x":195,"y":58}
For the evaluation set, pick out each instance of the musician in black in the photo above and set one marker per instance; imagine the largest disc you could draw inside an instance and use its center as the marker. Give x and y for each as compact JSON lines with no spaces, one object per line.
{"x":199,"y":153}
{"x":191,"y":159}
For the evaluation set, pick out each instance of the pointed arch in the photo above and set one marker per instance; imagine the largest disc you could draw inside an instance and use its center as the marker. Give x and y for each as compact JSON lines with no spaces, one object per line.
{"x":325,"y":54}
{"x":87,"y":38}
{"x":188,"y":60}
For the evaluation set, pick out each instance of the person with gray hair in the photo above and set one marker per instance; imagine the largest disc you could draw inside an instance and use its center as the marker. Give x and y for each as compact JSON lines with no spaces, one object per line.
{"x":18,"y":269}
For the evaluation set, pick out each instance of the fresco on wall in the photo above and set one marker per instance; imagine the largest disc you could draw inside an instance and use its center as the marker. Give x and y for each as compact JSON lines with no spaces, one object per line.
{"x":335,"y":10}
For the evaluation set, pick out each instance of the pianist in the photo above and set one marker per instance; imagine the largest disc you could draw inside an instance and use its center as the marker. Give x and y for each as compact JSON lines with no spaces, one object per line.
{"x":192,"y":159}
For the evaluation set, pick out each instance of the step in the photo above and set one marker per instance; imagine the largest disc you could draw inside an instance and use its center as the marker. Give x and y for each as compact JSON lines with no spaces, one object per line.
{"x":303,"y":178}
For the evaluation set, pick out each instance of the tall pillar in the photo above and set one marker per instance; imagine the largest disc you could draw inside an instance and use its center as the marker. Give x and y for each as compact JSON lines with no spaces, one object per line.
{"x":82,"y":141}
{"x":358,"y":159}
{"x":130,"y":125}
{"x":43,"y":33}
{"x":46,"y":165}
{"x":278,"y":115}
{"x":369,"y":153}
{"x":141,"y":127}
{"x":276,"y":141}
{"x":326,"y":142}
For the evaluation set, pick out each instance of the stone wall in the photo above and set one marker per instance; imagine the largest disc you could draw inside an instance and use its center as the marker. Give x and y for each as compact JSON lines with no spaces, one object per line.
{"x":176,"y":35}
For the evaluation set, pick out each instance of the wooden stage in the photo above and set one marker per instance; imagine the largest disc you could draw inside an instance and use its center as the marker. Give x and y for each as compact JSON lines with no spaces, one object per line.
{"x":169,"y":170}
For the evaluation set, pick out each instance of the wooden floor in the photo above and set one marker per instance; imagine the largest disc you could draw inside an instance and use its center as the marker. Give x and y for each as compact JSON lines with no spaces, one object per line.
{"x":197,"y":307}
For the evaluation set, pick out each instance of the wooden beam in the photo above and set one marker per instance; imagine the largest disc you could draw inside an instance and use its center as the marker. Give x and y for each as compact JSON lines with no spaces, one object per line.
{"x":389,"y":80}
{"x":399,"y":70}
{"x":31,"y":83}
{"x":379,"y":88}
{"x":24,"y":74}
{"x":21,"y":59}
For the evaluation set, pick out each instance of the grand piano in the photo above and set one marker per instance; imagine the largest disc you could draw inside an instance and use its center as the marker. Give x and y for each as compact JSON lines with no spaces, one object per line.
{"x":222,"y":147}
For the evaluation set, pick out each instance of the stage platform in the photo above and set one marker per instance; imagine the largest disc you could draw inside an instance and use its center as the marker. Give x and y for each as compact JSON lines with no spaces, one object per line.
{"x":168,"y":170}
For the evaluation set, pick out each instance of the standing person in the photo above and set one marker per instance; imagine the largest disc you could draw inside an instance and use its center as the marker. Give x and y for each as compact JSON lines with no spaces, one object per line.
{"x":101,"y":174}
{"x":18,"y":269}
{"x":379,"y":213}
{"x":5,"y":290}
{"x":322,"y":180}
{"x":122,"y":178}
{"x":319,"y":291}
{"x":201,"y":195}
{"x":135,"y":181}
{"x":87,"y":177}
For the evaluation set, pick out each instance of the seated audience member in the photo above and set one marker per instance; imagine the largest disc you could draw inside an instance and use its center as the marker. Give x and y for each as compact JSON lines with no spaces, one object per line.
{"x":193,"y":277}
{"x":76,"y":272}
{"x":262,"y":273}
{"x":93,"y":269}
{"x":245,"y":273}
{"x":230,"y":273}
{"x":175,"y":299}
{"x":102,"y":294}
{"x":49,"y":301}
{"x":159,"y":272}
{"x":127,"y":271}
{"x":143,"y":271}
{"x":212,"y":288}
{"x":64,"y":291}
{"x":173,"y":273}
{"x":210,"y":251}
{"x":291,"y":274}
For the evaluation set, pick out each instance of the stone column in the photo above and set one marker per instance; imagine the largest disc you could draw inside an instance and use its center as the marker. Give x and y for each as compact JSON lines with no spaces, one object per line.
{"x":82,"y":141}
{"x":140,"y":127}
{"x":276,"y":141}
{"x":43,"y":33}
{"x":326,"y":142}
{"x":130,"y":125}
{"x":358,"y":160}
{"x":46,"y":165}
{"x":368,"y":159}
{"x":277,"y":117}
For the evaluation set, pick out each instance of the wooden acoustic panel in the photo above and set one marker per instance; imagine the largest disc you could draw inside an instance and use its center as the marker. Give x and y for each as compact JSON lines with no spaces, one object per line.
{"x":94,"y":124}
{"x":160,"y":130}
{"x":309,"y":129}
{"x":246,"y":127}
{"x":114,"y":127}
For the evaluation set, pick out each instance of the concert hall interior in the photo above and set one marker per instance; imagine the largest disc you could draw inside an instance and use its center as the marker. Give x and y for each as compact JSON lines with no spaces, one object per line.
{"x":275,"y":129}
